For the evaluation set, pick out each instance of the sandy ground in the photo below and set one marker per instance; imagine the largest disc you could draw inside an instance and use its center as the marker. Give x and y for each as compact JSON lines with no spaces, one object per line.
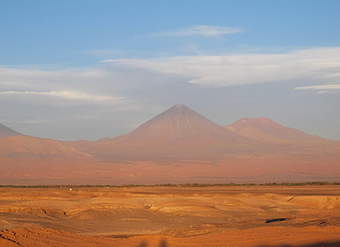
{"x":170,"y":216}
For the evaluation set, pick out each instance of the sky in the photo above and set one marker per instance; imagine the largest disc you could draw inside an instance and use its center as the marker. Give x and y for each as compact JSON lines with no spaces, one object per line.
{"x":88,"y":69}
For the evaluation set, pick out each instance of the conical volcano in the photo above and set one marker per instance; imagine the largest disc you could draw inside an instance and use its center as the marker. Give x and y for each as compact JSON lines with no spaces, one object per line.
{"x":7,"y":132}
{"x":180,"y":123}
{"x":178,"y":133}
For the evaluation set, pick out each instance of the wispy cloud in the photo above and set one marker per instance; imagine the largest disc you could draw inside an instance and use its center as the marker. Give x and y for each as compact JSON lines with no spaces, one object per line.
{"x":320,"y":87}
{"x":67,"y":86}
{"x":106,"y":94}
{"x":102,"y":52}
{"x":201,"y":30}
{"x":317,"y":65}
{"x":73,"y":101}
{"x":69,"y":95}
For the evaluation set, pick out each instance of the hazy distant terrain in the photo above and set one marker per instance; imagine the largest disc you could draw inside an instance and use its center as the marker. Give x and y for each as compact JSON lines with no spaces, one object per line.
{"x":177,"y":146}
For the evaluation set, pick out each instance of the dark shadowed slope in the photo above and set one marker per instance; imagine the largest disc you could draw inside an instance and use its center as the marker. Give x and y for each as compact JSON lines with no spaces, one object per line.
{"x":176,"y":134}
{"x":6,"y":132}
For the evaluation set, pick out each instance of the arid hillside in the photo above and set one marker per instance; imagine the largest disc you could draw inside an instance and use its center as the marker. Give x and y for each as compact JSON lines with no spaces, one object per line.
{"x":179,"y":216}
{"x":21,"y":146}
{"x":181,"y":134}
{"x":174,"y":135}
{"x":6,"y":132}
{"x":176,"y":146}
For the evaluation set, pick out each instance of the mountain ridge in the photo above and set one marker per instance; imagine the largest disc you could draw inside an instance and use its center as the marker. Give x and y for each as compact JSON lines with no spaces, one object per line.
{"x":179,"y":133}
{"x":176,"y":146}
{"x":266,"y":130}
{"x":6,"y":132}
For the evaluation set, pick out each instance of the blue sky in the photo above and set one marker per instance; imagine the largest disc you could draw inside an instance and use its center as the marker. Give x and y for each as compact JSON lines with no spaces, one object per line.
{"x":111,"y":65}
{"x":66,"y":32}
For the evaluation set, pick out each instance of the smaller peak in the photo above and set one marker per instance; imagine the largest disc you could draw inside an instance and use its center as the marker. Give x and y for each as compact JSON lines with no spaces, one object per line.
{"x":257,"y":121}
{"x":264,"y":120}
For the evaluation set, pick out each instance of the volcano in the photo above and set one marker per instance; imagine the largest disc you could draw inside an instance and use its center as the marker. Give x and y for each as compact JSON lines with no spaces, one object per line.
{"x":179,"y":133}
{"x":6,"y":132}
{"x":176,"y":146}
{"x":268,"y":131}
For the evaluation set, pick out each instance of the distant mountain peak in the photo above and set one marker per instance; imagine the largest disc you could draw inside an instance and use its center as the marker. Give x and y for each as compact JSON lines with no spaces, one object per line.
{"x":177,"y":133}
{"x":256,"y":122}
{"x":179,"y":108}
{"x":7,"y":132}
{"x":178,"y":120}
{"x":266,"y":130}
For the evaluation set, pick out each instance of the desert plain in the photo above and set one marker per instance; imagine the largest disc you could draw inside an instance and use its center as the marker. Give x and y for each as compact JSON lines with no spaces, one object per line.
{"x":173,"y":216}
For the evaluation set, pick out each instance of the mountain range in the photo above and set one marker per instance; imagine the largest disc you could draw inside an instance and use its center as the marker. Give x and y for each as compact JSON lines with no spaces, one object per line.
{"x":176,"y":146}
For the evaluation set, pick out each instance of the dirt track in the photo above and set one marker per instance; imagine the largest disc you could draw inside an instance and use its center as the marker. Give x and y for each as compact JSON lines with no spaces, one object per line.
{"x":169,"y":216}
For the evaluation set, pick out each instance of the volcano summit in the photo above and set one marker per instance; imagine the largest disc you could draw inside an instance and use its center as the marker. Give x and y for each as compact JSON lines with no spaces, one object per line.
{"x":179,"y":133}
{"x":178,"y":145}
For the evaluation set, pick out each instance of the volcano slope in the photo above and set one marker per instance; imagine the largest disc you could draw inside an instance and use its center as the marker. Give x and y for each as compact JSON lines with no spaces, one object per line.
{"x":265,"y":130}
{"x":181,"y":134}
{"x":177,"y":134}
{"x":6,"y":132}
{"x":250,"y":150}
{"x":176,"y":146}
{"x":25,"y":158}
{"x":175,"y":216}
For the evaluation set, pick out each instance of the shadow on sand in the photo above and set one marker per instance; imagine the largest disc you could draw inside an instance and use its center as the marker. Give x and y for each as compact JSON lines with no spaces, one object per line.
{"x":164,"y":243}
